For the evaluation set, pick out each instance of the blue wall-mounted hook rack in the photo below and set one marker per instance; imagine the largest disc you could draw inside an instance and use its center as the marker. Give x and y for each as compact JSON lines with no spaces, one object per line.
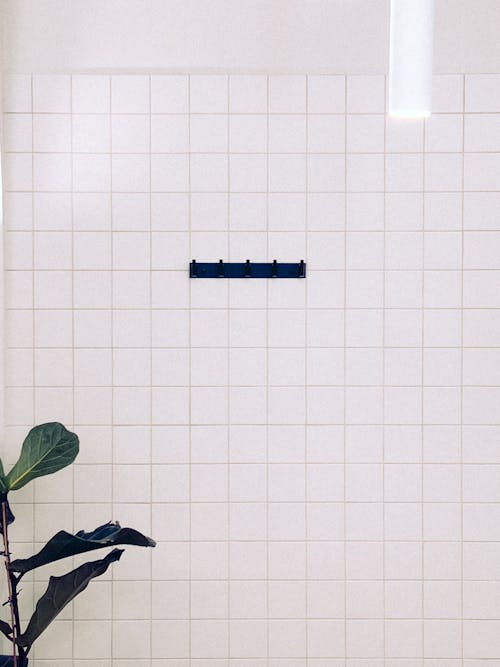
{"x":247,"y":269}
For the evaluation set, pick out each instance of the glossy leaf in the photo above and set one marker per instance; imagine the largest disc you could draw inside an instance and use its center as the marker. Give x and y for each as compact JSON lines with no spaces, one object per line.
{"x":3,"y":482}
{"x":8,"y":512}
{"x":8,"y":661}
{"x":65,"y":544}
{"x":5,"y":628}
{"x":60,"y":591}
{"x":46,"y":449}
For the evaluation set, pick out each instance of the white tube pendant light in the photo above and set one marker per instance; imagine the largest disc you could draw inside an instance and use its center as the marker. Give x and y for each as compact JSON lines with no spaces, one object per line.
{"x":410,"y":67}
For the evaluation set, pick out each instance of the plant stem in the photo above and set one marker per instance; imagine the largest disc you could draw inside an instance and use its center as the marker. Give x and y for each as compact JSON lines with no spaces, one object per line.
{"x":12,"y":588}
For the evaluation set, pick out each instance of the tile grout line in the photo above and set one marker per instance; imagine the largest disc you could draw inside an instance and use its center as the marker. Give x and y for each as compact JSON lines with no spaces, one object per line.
{"x":190,"y":399}
{"x":312,"y":502}
{"x":306,"y":380}
{"x":228,"y":378}
{"x":109,"y":80}
{"x":33,"y":311}
{"x":344,"y":511}
{"x":462,"y":643}
{"x":254,"y":113}
{"x":151,"y":431}
{"x":422,"y":396}
{"x":384,"y":259}
{"x":268,"y":553}
{"x":178,"y":423}
{"x":253,"y":153}
{"x":73,"y":352}
{"x":213,"y":232}
{"x":318,"y":191}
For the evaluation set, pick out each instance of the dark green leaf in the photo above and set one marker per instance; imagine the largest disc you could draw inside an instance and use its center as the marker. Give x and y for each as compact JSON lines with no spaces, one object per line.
{"x":8,"y":661}
{"x":60,"y":591}
{"x":3,"y":482}
{"x":8,"y":512}
{"x":47,"y":449}
{"x":65,"y":544}
{"x":5,"y":628}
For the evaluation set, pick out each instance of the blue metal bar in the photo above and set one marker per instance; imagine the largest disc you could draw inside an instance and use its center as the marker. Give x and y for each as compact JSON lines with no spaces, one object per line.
{"x":247,"y":269}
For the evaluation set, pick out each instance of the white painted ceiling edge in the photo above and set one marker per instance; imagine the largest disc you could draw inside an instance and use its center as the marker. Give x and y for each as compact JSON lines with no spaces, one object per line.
{"x":241,"y":36}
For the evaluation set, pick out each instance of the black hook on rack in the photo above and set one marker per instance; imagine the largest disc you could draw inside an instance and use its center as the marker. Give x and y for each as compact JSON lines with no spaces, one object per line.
{"x":247,"y":269}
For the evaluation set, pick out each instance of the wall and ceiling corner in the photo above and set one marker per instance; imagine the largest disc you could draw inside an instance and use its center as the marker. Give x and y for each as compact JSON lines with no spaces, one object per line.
{"x":277,"y":36}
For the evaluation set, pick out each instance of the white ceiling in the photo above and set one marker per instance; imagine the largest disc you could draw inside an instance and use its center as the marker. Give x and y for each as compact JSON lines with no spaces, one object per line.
{"x":236,"y":35}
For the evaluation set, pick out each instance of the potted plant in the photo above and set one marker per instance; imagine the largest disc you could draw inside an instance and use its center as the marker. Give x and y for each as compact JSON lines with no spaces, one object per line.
{"x":47,"y":449}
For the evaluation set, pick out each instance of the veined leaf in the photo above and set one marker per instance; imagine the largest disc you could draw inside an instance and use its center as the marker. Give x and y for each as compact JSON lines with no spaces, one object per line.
{"x":3,"y":482}
{"x":5,"y":628}
{"x":46,"y":449}
{"x":8,"y":512}
{"x":65,"y":544}
{"x":8,"y":661}
{"x":60,"y":591}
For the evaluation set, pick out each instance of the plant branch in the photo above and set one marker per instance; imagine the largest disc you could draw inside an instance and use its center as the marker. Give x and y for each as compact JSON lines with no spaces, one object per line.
{"x":12,"y":588}
{"x":6,"y":554}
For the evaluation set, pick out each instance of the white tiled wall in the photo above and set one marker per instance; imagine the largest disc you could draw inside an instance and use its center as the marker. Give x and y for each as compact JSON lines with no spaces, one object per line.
{"x":319,"y":460}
